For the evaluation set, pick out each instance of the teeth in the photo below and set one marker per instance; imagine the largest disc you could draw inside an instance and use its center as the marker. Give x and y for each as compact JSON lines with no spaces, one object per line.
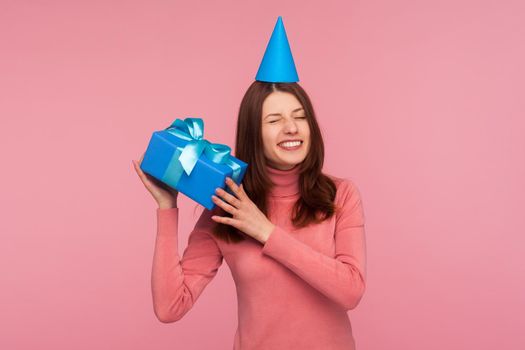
{"x":290,"y":144}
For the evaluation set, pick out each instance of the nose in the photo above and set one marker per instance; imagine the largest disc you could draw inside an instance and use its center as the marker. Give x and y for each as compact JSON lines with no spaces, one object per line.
{"x":290,"y":127}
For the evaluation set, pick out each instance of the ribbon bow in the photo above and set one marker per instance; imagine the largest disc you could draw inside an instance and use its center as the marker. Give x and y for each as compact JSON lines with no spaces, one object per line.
{"x":185,"y":158}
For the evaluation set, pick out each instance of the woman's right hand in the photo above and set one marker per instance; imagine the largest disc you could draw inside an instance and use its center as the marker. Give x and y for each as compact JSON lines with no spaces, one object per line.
{"x":165,"y":196}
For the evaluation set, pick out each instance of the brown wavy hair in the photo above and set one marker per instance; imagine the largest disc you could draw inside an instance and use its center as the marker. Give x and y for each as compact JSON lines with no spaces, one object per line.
{"x":316,"y":202}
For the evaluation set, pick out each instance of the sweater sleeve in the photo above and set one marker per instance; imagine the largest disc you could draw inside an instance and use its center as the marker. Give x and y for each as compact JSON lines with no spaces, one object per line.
{"x":341,"y":278}
{"x":177,"y":283}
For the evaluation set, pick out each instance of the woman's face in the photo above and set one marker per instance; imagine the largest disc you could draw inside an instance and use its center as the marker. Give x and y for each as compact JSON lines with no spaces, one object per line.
{"x":283,"y":124}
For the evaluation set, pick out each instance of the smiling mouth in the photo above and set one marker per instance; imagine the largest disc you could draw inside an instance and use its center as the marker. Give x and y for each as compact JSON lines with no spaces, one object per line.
{"x":290,"y":145}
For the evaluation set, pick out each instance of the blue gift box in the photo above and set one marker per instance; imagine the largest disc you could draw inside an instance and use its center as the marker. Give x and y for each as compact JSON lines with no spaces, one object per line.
{"x":181,"y":158}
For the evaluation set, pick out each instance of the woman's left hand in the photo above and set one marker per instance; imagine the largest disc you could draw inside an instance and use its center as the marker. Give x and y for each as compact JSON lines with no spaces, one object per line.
{"x":246,"y":215}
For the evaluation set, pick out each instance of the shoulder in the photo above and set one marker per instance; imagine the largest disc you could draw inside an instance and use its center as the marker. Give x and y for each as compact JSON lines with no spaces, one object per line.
{"x":348,"y":199}
{"x":346,"y":188}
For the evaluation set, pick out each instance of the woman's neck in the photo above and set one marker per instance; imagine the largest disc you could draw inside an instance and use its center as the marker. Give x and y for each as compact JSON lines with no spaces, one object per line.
{"x":286,"y":182}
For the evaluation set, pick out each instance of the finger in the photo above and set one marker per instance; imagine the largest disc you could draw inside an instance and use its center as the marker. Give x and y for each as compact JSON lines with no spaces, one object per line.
{"x":238,"y":193}
{"x":145,"y":182}
{"x":228,"y":197}
{"x":137,"y":167}
{"x":141,"y":174}
{"x":230,"y":209}
{"x":146,"y":179}
{"x":226,"y":220}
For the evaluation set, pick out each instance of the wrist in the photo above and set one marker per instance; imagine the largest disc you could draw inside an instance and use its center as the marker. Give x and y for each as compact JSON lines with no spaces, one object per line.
{"x":267,"y":233}
{"x":167,"y":205}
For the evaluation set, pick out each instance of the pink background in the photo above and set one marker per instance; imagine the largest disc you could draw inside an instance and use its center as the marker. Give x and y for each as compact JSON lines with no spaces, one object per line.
{"x":420,"y":102}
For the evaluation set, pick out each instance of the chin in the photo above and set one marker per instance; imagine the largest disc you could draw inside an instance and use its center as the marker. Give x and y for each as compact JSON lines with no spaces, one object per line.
{"x":291,"y":161}
{"x":283,"y":158}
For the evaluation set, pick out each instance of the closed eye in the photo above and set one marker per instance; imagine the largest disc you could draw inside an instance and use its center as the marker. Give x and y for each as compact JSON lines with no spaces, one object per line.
{"x":273,"y":121}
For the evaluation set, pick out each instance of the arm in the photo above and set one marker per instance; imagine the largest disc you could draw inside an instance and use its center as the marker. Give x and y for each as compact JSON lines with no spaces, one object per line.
{"x":176,"y":283}
{"x":341,"y":278}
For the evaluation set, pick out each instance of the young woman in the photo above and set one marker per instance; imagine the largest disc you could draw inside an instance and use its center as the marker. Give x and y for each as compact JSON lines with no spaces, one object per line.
{"x":292,"y":236}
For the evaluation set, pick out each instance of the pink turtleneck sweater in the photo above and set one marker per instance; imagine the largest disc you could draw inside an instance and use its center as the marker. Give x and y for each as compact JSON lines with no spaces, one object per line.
{"x":293,"y":291}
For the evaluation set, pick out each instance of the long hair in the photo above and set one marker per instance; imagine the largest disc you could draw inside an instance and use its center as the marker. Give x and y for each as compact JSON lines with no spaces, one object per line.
{"x":317,"y":190}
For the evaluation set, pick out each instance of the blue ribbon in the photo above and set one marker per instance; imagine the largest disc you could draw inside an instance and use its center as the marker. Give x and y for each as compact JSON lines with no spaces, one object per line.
{"x":185,"y":158}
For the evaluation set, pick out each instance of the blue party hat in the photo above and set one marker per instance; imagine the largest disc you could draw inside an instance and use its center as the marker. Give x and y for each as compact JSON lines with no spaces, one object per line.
{"x":277,"y":65}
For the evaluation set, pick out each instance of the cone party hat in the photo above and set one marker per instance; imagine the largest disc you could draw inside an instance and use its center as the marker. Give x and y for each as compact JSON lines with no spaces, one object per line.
{"x":277,"y":65}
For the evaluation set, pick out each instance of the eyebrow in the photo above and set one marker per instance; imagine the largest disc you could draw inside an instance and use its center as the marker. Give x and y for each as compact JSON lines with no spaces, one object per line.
{"x":278,"y":114}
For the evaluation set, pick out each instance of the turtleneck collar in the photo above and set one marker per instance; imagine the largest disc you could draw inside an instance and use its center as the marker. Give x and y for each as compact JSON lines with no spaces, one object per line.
{"x":286,"y":181}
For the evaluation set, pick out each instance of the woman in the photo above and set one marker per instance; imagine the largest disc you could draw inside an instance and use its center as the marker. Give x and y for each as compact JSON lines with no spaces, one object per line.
{"x":292,"y":236}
